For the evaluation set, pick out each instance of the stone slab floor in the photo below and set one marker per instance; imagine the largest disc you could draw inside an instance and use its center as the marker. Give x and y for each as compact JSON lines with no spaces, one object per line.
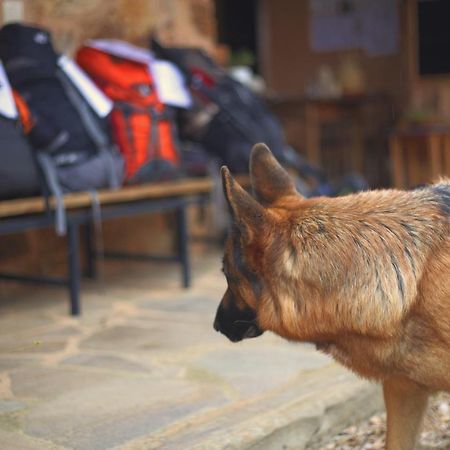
{"x":143,"y":369}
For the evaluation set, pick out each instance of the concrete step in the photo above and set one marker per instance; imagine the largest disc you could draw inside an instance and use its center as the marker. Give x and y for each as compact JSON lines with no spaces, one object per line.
{"x":299,"y":414}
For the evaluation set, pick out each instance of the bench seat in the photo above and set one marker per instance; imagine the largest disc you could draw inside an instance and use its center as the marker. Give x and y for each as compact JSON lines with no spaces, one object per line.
{"x":164,"y":189}
{"x":35,"y":212}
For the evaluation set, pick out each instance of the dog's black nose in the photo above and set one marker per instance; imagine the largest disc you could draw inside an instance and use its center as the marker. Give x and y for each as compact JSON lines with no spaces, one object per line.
{"x":216,"y":324}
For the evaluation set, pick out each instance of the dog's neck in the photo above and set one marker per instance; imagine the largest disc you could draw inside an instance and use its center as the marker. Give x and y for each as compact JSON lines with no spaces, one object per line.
{"x":342,"y":259}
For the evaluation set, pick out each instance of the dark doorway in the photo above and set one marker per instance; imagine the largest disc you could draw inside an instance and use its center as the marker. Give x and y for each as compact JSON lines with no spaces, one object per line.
{"x":434,"y":36}
{"x":237,"y":28}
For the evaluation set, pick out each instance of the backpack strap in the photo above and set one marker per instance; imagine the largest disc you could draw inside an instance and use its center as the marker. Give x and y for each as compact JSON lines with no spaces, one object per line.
{"x":156,"y":117}
{"x":96,"y":215}
{"x":127,"y":110}
{"x":51,"y":178}
{"x":61,"y":138}
{"x":91,"y":126}
{"x":154,"y":133}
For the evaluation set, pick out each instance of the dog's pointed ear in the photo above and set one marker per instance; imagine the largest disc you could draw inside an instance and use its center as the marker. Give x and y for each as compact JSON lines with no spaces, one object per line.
{"x":247,"y":214}
{"x":269,"y":180}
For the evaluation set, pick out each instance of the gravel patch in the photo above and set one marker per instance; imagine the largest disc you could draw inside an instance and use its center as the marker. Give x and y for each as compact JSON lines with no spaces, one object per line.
{"x":370,"y":435}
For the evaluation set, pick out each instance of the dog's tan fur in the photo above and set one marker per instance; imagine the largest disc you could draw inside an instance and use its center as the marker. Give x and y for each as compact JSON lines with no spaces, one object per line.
{"x":366,"y":277}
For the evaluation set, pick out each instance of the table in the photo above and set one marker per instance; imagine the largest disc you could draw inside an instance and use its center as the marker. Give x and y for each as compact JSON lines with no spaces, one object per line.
{"x":419,"y":154}
{"x":341,"y":135}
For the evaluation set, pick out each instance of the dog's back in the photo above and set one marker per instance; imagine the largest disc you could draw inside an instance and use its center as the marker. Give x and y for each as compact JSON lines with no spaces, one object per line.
{"x":442,"y":192}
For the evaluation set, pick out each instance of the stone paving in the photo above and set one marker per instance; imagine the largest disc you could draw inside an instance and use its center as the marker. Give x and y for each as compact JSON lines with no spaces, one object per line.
{"x":143,"y":369}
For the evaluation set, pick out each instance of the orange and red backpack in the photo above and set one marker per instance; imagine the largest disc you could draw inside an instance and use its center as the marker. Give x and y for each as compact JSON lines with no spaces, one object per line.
{"x":143,"y":127}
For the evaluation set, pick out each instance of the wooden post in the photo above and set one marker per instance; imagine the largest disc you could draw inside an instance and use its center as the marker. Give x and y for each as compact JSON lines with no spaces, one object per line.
{"x":435,"y":155}
{"x":397,"y":161}
{"x":446,"y":155}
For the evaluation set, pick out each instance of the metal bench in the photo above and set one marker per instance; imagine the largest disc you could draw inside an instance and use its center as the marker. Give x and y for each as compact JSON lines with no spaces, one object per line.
{"x":38,"y":212}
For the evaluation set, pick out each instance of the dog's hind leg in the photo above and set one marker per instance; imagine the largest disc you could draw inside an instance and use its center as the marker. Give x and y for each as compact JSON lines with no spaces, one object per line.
{"x":405,"y":403}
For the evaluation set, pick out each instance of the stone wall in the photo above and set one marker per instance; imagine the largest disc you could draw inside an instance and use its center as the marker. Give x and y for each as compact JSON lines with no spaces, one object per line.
{"x":184,"y":22}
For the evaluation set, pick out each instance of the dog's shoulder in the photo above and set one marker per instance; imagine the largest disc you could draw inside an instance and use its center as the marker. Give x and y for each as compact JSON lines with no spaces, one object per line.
{"x":414,"y":200}
{"x":442,"y":192}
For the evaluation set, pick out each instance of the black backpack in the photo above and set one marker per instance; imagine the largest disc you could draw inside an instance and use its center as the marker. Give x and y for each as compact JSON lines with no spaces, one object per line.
{"x":227,"y":118}
{"x":18,"y":173}
{"x":71,"y":140}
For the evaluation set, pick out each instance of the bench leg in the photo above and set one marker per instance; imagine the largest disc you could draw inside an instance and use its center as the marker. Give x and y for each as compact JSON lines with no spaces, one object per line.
{"x":74,"y":268}
{"x":182,"y":245}
{"x":91,"y":251}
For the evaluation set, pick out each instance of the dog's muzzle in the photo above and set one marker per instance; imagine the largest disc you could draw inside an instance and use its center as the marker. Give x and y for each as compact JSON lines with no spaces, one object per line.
{"x":235,"y":324}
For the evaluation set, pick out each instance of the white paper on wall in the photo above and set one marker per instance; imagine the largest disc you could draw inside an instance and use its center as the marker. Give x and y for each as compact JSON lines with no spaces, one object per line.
{"x":371,"y":25}
{"x":380,"y":22}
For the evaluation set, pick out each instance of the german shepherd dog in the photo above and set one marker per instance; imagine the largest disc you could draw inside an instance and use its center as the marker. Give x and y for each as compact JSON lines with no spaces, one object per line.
{"x":365,"y":277}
